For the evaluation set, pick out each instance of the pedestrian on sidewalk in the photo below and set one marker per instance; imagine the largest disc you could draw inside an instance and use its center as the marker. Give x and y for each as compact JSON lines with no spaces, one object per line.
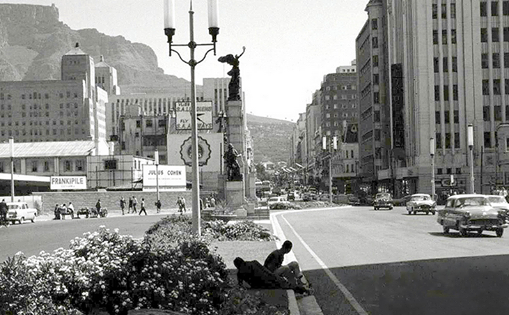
{"x":70,"y":209}
{"x":179,"y":204}
{"x":142,"y":207}
{"x":158,"y":205}
{"x":183,"y":202}
{"x":98,"y":207}
{"x":130,"y":206}
{"x":135,"y":202}
{"x":122,"y":204}
{"x":3,"y":211}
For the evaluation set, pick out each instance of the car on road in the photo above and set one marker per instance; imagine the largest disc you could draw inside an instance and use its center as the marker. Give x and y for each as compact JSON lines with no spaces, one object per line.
{"x":421,"y":203}
{"x":471,"y":212}
{"x":353,"y":200}
{"x":499,"y":202}
{"x":273,"y":201}
{"x":383,"y":200}
{"x":19,"y":212}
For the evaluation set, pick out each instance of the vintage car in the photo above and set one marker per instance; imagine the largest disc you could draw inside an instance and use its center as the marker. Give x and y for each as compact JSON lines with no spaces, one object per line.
{"x":19,"y":212}
{"x":499,"y":202}
{"x":421,"y":203}
{"x":471,"y":212}
{"x":383,"y":200}
{"x":273,"y":202}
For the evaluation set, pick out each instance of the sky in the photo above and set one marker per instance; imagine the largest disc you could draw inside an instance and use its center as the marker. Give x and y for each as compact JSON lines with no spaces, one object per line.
{"x":290,"y":44}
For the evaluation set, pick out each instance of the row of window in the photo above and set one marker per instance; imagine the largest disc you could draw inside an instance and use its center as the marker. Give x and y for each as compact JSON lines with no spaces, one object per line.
{"x":343,"y":97}
{"x":36,"y":132}
{"x":38,"y":96}
{"x":45,"y":166}
{"x":445,"y":64}
{"x":54,"y":123}
{"x":343,"y":106}
{"x":495,"y":60}
{"x":497,"y":113}
{"x":456,"y":117}
{"x":446,"y":92}
{"x":495,"y":34}
{"x":444,"y":37}
{"x":497,"y":90}
{"x":494,"y":8}
{"x":452,"y":11}
{"x":449,"y":140}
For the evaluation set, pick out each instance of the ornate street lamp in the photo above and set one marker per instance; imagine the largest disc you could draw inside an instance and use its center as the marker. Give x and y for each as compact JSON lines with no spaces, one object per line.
{"x":169,"y":30}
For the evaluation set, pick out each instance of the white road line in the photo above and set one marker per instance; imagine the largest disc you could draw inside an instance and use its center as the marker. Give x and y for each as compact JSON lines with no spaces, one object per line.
{"x":351,"y":299}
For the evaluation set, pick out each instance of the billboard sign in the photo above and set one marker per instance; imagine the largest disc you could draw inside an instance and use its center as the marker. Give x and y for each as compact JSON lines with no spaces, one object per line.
{"x":170,"y":177}
{"x":68,"y":182}
{"x":203,"y":115}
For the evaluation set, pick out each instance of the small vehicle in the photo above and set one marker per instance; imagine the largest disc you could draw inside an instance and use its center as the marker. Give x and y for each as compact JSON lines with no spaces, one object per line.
{"x":19,"y":212}
{"x":383,"y":200}
{"x":471,"y":212}
{"x":272,"y":201}
{"x":421,"y":203}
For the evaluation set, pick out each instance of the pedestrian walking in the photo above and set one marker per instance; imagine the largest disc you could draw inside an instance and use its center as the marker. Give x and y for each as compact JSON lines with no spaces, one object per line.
{"x":142,"y":207}
{"x":63,"y":211}
{"x":179,"y":204}
{"x":183,"y":202}
{"x":135,"y":203}
{"x":130,"y":206}
{"x":56,"y":211}
{"x":70,"y":209}
{"x":158,"y":206}
{"x":212,"y":202}
{"x":3,"y":211}
{"x":122,"y":204}
{"x":98,"y":207}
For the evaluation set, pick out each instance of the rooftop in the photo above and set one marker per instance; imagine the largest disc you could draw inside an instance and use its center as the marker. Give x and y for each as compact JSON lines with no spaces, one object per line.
{"x":47,"y":149}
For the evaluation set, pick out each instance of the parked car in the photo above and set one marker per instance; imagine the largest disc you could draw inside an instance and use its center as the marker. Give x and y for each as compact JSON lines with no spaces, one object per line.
{"x":308,"y":197}
{"x":19,"y":212}
{"x":421,"y":203}
{"x":324,"y":197}
{"x":471,"y":212}
{"x":383,"y":200}
{"x":353,"y":200}
{"x":272,"y":201}
{"x":499,"y":202}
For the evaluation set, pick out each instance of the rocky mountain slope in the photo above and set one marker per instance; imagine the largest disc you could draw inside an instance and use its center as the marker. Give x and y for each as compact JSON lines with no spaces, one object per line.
{"x":33,"y":40}
{"x":271,"y":138}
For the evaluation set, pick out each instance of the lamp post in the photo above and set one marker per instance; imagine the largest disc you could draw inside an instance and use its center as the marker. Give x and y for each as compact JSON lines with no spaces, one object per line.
{"x":432,"y":154}
{"x":11,"y":144}
{"x":169,"y":30}
{"x":470,"y":135}
{"x":156,"y":160}
{"x":330,"y":146}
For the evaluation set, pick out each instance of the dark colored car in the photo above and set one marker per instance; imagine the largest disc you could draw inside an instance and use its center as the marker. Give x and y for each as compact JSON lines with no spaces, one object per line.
{"x":471,"y":212}
{"x":383,"y":200}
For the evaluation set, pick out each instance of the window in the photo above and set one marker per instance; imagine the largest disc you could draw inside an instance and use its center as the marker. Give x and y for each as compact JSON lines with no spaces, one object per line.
{"x":457,"y":140}
{"x":495,"y":35}
{"x":484,"y":35}
{"x":138,"y":124}
{"x":506,"y":34}
{"x":375,"y":61}
{"x":447,"y":140}
{"x":435,"y":37}
{"x":484,"y":8}
{"x":458,"y":170}
{"x":34,"y":166}
{"x":486,"y":113}
{"x":67,"y":166}
{"x":148,"y":123}
{"x":437,"y":117}
{"x":110,"y":164}
{"x":374,"y":24}
{"x":439,"y":171}
{"x":376,"y":97}
{"x":446,"y":93}
{"x":444,"y":37}
{"x":79,"y":165}
{"x":446,"y":117}
{"x":434,"y":11}
{"x":374,"y":42}
{"x":505,"y":8}
{"x":444,"y":11}
{"x":455,"y":92}
{"x":453,"y":10}
{"x":448,"y":170}
{"x":484,"y":61}
{"x":498,"y":113}
{"x":456,"y":116}
{"x":496,"y":87}
{"x":446,"y":64}
{"x":437,"y":93}
{"x":46,"y":166}
{"x":485,"y":87}
{"x":494,"y":8}
{"x":454,"y":64}
{"x":487,"y":139}
{"x":435,"y":65}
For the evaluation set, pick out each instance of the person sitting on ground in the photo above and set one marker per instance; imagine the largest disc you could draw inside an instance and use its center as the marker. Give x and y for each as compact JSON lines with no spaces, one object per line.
{"x":259,"y":277}
{"x":274,"y":263}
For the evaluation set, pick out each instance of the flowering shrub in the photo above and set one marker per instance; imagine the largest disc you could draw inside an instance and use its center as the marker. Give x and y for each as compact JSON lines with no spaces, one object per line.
{"x":169,"y":269}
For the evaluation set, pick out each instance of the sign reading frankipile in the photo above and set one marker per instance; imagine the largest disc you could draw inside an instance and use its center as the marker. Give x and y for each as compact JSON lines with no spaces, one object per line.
{"x":68,"y":182}
{"x":203,"y":115}
{"x":170,"y":177}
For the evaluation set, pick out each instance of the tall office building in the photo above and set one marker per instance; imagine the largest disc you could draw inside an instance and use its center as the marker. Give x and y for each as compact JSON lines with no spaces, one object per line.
{"x":55,"y":110}
{"x":449,"y":62}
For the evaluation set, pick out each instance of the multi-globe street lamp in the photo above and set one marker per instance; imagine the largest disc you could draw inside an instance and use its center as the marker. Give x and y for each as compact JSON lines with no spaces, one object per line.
{"x":169,"y":30}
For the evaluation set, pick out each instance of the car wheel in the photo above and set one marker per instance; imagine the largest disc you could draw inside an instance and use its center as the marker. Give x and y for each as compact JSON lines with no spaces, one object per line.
{"x":427,"y":212}
{"x":33,"y":219}
{"x":463,"y":232}
{"x":500,"y":232}
{"x":479,"y":232}
{"x":390,"y":208}
{"x":445,"y":229}
{"x":409,"y":212}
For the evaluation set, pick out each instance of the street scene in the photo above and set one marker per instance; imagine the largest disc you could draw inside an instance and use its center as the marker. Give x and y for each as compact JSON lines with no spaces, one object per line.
{"x":358,"y":164}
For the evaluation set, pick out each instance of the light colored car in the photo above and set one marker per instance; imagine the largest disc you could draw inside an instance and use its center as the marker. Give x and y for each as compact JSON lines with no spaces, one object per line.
{"x":499,"y":202}
{"x":421,"y":203}
{"x":20,"y":211}
{"x":383,"y":200}
{"x":471,"y":212}
{"x":272,"y":201}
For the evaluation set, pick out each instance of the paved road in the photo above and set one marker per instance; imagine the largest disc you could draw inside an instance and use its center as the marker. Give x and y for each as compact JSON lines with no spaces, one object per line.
{"x":362,"y":261}
{"x":50,"y":235}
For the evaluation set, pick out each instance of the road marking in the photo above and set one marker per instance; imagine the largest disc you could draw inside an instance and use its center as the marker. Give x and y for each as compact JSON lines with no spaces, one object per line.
{"x":349,"y":296}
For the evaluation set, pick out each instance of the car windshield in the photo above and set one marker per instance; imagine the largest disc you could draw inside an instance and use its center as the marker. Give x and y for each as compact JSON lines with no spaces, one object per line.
{"x":472,"y":201}
{"x":497,"y":199}
{"x":420,"y":198}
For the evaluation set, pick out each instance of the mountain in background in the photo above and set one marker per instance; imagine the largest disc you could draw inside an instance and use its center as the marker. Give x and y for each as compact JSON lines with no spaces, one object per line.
{"x":33,"y":41}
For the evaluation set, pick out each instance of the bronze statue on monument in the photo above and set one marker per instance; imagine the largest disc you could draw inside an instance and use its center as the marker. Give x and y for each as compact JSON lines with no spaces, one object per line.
{"x":232,"y":165}
{"x":234,"y":86}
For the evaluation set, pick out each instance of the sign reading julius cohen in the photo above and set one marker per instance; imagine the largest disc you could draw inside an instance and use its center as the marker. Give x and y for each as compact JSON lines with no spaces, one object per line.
{"x":68,"y":182}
